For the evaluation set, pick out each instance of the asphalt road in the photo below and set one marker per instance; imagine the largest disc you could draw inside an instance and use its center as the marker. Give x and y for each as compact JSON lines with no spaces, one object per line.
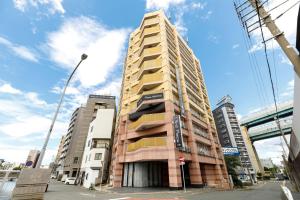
{"x":267,"y":191}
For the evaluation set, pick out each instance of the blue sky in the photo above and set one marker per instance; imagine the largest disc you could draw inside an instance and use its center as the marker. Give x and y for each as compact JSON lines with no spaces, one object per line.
{"x":41,"y":41}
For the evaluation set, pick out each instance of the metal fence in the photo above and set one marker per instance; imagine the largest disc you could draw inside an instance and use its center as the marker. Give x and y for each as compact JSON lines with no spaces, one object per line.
{"x":8,"y":180}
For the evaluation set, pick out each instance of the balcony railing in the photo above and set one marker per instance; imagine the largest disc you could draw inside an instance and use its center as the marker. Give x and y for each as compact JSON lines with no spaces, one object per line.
{"x":149,"y":65}
{"x":150,"y":30}
{"x":147,"y":143}
{"x":152,"y":51}
{"x":148,"y":22}
{"x":147,"y":119}
{"x":149,"y":40}
{"x":149,"y":79}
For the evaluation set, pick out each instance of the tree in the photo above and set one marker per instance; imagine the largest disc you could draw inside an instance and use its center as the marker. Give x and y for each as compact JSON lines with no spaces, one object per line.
{"x":17,"y":168}
{"x":232,"y":162}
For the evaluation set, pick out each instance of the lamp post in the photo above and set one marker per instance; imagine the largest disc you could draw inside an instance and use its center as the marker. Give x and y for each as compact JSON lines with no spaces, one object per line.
{"x":38,"y":165}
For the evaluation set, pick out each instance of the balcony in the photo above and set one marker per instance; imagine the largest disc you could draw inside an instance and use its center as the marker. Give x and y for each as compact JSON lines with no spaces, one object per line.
{"x":147,"y":121}
{"x":148,"y":41}
{"x":147,"y":143}
{"x":149,"y":52}
{"x":150,"y":30}
{"x":148,"y":82}
{"x":149,"y":22}
{"x":149,"y":66}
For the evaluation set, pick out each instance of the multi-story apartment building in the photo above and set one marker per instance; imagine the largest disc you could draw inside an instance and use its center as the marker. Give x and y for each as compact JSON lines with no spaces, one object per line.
{"x":164,"y":114}
{"x":32,"y":158}
{"x":97,"y":152}
{"x":75,"y":139}
{"x":230,"y":134}
{"x":57,"y":162}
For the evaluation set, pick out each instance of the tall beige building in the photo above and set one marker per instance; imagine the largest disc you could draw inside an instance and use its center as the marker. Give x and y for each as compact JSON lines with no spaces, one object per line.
{"x":164,"y":114}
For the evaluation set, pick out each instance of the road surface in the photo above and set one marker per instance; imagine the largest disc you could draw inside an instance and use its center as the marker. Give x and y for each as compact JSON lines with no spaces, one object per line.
{"x":264,"y":191}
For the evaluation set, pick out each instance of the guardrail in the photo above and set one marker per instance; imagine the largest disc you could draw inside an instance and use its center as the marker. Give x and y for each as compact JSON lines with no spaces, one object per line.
{"x":8,"y":180}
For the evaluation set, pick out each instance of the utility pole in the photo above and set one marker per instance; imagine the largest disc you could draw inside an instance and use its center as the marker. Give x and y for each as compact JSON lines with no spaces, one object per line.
{"x":277,"y":35}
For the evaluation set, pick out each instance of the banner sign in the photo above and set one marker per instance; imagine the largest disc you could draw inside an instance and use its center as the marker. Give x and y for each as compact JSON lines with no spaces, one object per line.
{"x":177,"y":131}
{"x":150,"y":97}
{"x":231,"y":151}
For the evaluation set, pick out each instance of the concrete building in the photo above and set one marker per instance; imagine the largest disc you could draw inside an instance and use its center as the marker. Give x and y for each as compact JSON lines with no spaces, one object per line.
{"x":75,"y":139}
{"x":251,"y":151}
{"x":32,"y":158}
{"x":57,"y":165}
{"x":230,"y":134}
{"x":97,"y":152}
{"x":267,"y":162}
{"x":164,"y":114}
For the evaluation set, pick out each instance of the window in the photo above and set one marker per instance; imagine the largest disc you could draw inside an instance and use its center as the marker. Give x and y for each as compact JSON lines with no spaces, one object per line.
{"x":98,"y":156}
{"x":89,"y":142}
{"x":89,"y":157}
{"x":75,"y":161}
{"x":92,"y":128}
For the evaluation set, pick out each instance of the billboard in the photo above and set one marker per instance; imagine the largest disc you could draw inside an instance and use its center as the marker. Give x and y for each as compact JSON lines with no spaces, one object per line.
{"x":231,"y":151}
{"x":177,"y":131}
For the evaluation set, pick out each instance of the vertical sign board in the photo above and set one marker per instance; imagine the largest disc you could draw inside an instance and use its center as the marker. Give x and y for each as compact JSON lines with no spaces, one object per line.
{"x":177,"y":131}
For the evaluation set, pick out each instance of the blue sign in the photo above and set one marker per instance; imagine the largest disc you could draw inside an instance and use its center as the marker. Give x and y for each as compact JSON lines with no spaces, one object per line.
{"x":231,"y":151}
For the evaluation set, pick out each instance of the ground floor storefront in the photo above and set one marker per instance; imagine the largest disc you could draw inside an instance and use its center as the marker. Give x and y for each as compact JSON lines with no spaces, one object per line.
{"x":164,"y":174}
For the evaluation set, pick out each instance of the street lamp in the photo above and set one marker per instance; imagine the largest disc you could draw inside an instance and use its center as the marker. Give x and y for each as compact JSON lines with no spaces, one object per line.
{"x":38,"y":165}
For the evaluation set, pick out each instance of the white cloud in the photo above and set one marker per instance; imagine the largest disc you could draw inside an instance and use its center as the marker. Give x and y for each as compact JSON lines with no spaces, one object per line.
{"x":18,"y":154}
{"x":289,"y":28}
{"x":52,"y":5}
{"x":104,"y":47}
{"x":289,"y":91}
{"x":19,"y":50}
{"x":284,"y":60}
{"x":207,"y":15}
{"x":235,"y":46}
{"x":33,"y":98}
{"x":198,"y":5}
{"x":162,"y":4}
{"x":179,"y":23}
{"x":213,"y":38}
{"x":7,"y":88}
{"x":271,"y":148}
{"x":34,"y":124}
{"x":112,"y":88}
{"x":26,"y":115}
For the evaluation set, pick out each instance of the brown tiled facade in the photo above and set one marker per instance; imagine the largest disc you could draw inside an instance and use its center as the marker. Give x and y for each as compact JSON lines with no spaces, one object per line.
{"x":162,"y":78}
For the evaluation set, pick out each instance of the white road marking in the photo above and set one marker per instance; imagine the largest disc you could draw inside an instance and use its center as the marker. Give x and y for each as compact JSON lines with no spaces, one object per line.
{"x":121,"y":198}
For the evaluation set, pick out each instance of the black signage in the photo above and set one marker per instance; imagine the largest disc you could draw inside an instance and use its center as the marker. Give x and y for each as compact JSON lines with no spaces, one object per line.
{"x":101,"y":96}
{"x":150,"y":97}
{"x":177,"y":131}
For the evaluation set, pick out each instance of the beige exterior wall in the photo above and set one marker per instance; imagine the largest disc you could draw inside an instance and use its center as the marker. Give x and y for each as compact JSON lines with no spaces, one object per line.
{"x":144,"y":131}
{"x":251,"y":151}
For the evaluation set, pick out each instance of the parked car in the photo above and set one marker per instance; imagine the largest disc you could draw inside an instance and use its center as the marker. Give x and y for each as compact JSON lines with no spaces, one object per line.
{"x":53,"y":176}
{"x":64,"y":177}
{"x":70,"y":181}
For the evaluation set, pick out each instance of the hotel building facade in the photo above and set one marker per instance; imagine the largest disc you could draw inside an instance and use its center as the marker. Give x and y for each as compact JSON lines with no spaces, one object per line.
{"x":164,"y":114}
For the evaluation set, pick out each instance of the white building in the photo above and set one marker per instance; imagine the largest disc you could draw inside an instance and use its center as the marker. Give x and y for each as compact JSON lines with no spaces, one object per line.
{"x":96,"y":156}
